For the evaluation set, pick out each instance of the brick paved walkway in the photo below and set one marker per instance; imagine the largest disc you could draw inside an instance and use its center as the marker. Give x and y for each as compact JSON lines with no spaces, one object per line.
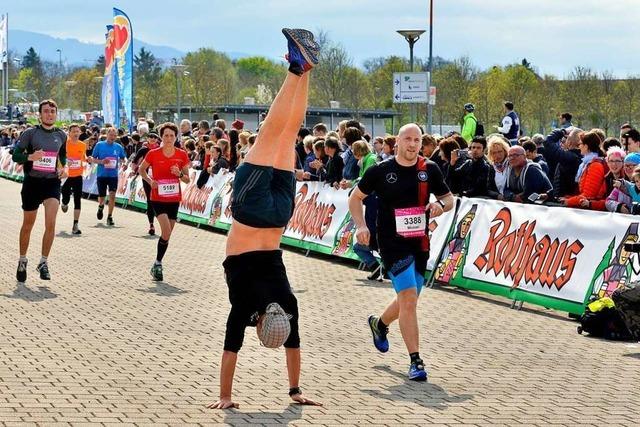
{"x":101,"y":343}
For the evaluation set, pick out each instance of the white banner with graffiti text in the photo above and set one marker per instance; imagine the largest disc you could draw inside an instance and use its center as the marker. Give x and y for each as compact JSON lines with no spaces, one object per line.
{"x":554,"y":257}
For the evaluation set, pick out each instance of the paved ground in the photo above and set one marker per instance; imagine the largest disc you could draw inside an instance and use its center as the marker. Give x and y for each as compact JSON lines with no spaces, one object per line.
{"x":101,"y":343}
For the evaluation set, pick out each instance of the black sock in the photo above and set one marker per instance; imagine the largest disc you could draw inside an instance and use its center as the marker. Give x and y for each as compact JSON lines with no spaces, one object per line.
{"x":162,"y":248}
{"x":415,"y":357}
{"x":109,"y":216}
{"x":296,"y":69}
{"x":75,"y":222}
{"x":381,"y":326}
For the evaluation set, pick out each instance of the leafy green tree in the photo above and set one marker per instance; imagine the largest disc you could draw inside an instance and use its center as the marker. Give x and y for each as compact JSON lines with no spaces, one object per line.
{"x":147,"y":75}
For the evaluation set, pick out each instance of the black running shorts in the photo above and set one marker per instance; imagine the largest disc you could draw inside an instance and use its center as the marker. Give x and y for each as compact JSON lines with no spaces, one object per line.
{"x":263,"y":197}
{"x":37,"y":190}
{"x":170,"y":209}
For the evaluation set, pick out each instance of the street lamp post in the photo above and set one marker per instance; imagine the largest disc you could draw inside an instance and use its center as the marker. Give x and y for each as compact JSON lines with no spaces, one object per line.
{"x":411,"y":36}
{"x":70,"y":84}
{"x":180,"y":71}
{"x":430,"y":106}
{"x":60,"y":71}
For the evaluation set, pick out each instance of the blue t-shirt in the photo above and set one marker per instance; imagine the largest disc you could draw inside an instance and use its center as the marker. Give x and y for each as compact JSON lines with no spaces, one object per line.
{"x":114,"y":152}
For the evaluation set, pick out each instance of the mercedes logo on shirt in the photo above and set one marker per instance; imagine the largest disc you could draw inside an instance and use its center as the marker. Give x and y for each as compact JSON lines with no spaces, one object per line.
{"x":392,"y":178}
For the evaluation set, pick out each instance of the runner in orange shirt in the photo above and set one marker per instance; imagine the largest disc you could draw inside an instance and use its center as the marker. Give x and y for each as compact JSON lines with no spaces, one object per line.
{"x":169,"y":165}
{"x":76,"y":159}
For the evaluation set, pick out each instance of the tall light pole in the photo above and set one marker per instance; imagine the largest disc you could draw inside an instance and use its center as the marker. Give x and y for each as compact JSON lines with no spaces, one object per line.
{"x":411,"y":36}
{"x":60,"y":71}
{"x":179,"y":70}
{"x":70,"y":84}
{"x":429,"y":106}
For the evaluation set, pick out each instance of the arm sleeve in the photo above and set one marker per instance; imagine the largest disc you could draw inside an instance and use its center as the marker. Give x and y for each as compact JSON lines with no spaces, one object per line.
{"x":506,"y":124}
{"x":62,"y":153}
{"x":21,"y":150}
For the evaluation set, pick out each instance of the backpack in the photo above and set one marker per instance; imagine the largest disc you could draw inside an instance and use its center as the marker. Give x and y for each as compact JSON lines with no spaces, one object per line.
{"x":601,"y":319}
{"x":627,"y":301}
{"x":479,"y":128}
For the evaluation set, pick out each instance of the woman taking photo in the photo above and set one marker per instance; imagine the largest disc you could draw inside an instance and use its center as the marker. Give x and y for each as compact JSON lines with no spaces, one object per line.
{"x":170,"y":166}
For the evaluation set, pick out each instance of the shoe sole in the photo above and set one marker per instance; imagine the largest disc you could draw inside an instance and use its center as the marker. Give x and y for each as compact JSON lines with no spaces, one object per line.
{"x":374,"y":335}
{"x":420,"y":378}
{"x":304,"y":51}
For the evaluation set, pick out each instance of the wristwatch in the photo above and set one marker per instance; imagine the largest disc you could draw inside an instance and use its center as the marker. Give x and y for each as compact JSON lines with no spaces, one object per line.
{"x":441,"y":203}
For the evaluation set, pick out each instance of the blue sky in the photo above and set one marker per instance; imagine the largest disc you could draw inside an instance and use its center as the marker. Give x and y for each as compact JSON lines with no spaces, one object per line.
{"x":554,"y":35}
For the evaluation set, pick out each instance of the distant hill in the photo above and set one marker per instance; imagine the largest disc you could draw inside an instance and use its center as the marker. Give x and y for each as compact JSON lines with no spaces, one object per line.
{"x":77,"y":53}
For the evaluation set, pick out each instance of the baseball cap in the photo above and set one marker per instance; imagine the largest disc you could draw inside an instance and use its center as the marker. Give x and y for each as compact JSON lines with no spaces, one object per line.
{"x":275,"y":327}
{"x":633,"y":158}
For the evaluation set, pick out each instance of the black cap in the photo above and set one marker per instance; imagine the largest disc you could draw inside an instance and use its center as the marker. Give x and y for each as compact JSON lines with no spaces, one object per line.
{"x":153,"y":135}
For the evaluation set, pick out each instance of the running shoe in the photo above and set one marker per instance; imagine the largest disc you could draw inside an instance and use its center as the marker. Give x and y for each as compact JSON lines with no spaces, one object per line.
{"x":110,"y":221}
{"x":64,"y":208}
{"x":417,"y":371}
{"x":21,"y":273}
{"x":303,"y":49}
{"x":43,"y":268}
{"x":100,"y":213}
{"x":156,"y":272}
{"x":75,"y":229}
{"x":152,"y":230}
{"x":379,"y":337}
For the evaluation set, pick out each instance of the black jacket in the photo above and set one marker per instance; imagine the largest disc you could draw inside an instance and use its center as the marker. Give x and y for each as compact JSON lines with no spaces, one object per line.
{"x":563,"y":165}
{"x":334,"y":169}
{"x":474,"y":177}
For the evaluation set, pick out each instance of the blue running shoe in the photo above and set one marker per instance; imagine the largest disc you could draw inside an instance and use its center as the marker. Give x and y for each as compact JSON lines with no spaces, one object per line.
{"x":379,"y":337}
{"x":303,"y":49}
{"x":417,"y":371}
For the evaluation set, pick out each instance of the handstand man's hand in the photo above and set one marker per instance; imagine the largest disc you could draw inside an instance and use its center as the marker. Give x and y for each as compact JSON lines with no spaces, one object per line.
{"x":223,"y":404}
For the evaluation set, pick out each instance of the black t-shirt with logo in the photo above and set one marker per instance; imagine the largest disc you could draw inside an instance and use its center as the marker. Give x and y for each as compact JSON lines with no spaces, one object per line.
{"x":397,"y":187}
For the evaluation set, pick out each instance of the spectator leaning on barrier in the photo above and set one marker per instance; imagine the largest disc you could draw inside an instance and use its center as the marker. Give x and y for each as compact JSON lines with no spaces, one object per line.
{"x":631,"y":141}
{"x":500,"y":169}
{"x":619,"y":200}
{"x":531,"y":150}
{"x":615,"y":161}
{"x":308,"y":142}
{"x":475,"y":170}
{"x":335,"y":164}
{"x":366,"y":158}
{"x":563,"y":156}
{"x":469,"y":122}
{"x":318,"y":164}
{"x":351,"y":170}
{"x":590,"y":176}
{"x":525,"y":178}
{"x":301,"y":154}
{"x":629,"y":188}
{"x":451,"y":162}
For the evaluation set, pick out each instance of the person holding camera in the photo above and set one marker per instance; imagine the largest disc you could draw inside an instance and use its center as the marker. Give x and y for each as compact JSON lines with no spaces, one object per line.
{"x":525,"y":180}
{"x":562,"y":152}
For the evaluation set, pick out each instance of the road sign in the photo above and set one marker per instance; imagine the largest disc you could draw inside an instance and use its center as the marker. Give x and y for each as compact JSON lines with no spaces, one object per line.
{"x":410,"y":88}
{"x":432,"y":95}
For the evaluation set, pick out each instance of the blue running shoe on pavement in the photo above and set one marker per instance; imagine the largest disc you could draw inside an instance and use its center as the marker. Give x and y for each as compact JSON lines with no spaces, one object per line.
{"x":303,"y":49}
{"x":379,"y":337}
{"x":417,"y":371}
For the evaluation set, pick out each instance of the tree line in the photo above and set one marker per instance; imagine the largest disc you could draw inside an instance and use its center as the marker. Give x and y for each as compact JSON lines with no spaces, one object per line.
{"x":596,"y":99}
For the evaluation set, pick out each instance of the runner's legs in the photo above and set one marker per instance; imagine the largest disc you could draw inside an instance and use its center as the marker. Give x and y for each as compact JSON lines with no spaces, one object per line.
{"x":28,"y":220}
{"x":50,"y":212}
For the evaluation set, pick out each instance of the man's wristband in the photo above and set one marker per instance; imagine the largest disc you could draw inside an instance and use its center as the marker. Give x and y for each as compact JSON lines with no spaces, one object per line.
{"x":294,"y":390}
{"x":441,"y":203}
